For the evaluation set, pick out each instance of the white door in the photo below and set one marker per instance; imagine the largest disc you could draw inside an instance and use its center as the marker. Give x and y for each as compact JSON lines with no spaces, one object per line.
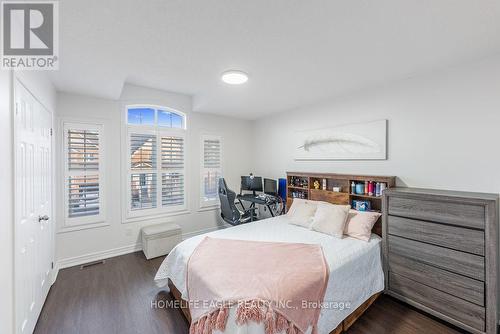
{"x":33,"y":198}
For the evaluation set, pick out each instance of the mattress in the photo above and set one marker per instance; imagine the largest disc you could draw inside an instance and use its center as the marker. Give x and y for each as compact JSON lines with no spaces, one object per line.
{"x":355,"y":268}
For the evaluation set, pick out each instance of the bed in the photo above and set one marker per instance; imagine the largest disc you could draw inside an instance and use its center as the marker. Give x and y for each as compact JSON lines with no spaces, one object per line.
{"x":355,"y":281}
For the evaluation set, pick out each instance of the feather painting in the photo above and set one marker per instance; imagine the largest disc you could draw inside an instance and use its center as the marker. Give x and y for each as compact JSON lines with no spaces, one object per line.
{"x":347,"y":142}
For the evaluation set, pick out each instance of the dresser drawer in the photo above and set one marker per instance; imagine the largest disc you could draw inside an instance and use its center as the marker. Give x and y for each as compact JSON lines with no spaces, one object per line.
{"x":459,"y":238}
{"x":456,"y":308}
{"x":457,"y":285}
{"x":461,"y":214}
{"x":458,"y":262}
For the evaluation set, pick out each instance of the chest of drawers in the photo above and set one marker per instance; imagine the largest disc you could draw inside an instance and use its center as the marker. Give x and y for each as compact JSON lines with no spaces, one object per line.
{"x":441,"y":254}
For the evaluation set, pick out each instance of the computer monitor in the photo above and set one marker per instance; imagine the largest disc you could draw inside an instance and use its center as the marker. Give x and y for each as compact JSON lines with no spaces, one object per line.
{"x":270,"y":187}
{"x":245,"y":184}
{"x":251,"y":184}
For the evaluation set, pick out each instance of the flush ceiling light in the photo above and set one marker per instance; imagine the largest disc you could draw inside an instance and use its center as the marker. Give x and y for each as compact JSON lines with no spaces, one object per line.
{"x":234,"y":77}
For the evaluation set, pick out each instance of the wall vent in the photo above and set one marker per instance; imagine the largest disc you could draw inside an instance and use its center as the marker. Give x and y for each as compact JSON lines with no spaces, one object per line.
{"x":90,"y":264}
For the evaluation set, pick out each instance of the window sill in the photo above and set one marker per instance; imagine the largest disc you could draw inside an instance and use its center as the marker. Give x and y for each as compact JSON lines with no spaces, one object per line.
{"x":74,"y":228}
{"x":128,"y":220}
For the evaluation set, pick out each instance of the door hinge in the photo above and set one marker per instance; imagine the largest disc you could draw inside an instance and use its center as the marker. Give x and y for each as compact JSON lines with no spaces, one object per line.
{"x":52,"y":265}
{"x":51,"y":131}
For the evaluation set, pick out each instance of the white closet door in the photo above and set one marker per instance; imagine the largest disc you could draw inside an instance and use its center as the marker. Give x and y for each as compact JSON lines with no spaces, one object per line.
{"x":33,"y":198}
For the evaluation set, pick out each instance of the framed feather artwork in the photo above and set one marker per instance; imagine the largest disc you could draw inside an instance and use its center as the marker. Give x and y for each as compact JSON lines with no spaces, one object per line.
{"x":359,"y":141}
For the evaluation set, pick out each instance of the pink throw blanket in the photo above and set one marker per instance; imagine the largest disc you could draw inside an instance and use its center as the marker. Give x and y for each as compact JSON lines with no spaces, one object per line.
{"x":279,"y":284}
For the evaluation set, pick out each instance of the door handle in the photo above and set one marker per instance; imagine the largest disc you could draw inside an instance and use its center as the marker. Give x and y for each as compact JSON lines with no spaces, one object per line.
{"x":44,"y":217}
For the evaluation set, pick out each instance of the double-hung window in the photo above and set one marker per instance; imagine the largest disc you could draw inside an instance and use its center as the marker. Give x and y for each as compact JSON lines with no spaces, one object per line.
{"x":83,"y":174}
{"x":211,"y":169}
{"x":155,"y":161}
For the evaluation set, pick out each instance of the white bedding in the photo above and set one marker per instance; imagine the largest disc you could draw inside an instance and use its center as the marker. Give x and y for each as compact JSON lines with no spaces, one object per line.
{"x":355,"y":268}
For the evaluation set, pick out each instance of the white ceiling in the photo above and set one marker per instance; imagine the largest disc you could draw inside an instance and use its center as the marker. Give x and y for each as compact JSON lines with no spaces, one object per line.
{"x":296,"y":52}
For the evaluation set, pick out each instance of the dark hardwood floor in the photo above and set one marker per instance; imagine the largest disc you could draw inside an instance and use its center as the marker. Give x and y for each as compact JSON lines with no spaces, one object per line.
{"x":116,"y":297}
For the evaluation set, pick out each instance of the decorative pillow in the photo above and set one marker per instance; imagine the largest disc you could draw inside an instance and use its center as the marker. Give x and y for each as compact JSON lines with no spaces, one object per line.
{"x":301,"y":212}
{"x":360,"y":223}
{"x":330,"y":219}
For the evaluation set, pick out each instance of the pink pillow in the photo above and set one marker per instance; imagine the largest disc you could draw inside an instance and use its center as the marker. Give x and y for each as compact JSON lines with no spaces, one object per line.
{"x":360,"y":223}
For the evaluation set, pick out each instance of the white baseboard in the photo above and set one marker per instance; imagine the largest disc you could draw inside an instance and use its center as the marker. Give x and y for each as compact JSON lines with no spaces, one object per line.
{"x":78,"y":260}
{"x":54,"y":274}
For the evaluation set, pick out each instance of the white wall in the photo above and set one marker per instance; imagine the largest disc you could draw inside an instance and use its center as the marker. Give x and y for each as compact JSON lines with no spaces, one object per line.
{"x":39,"y":84}
{"x":443,"y":133}
{"x":80,"y":246}
{"x":443,"y":130}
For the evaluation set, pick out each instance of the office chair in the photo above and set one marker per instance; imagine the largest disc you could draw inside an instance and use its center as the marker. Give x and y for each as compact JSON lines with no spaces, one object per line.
{"x":228,"y":209}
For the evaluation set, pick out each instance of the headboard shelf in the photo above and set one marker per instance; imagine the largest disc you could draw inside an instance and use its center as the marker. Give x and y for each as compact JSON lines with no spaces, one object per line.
{"x":302,"y":185}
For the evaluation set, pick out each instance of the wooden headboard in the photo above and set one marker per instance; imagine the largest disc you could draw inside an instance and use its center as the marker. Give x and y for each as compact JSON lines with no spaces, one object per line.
{"x":301,"y":185}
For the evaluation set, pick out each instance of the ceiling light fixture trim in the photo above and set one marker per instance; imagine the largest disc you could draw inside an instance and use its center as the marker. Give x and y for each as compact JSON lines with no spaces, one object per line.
{"x":234,"y":77}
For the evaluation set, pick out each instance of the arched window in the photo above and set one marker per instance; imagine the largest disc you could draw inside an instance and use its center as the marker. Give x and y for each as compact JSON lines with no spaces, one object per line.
{"x":155,"y":159}
{"x":156,"y":116}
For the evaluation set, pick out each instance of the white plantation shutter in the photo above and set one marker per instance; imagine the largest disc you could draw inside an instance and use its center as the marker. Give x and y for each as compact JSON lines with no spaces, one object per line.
{"x":156,"y":161}
{"x":83,"y":149}
{"x":83,"y":173}
{"x":211,"y":153}
{"x":143,"y":191}
{"x":172,"y":152}
{"x":172,"y":189}
{"x":211,"y":170}
{"x":142,"y":151}
{"x":172,"y":165}
{"x":143,"y":166}
{"x":83,"y":196}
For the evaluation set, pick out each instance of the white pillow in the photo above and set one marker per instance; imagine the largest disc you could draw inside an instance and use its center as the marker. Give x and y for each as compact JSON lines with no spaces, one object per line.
{"x":301,"y":212}
{"x":360,"y":223}
{"x":330,"y":219}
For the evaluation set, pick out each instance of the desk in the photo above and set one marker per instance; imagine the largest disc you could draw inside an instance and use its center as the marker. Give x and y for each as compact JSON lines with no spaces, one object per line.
{"x":254,"y":199}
